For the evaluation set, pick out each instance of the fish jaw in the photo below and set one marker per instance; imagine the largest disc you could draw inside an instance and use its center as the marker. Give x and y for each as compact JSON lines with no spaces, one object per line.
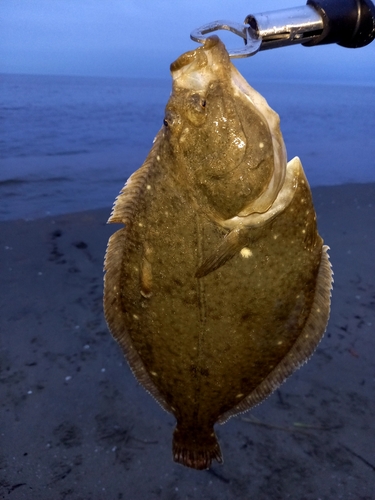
{"x":197,"y":68}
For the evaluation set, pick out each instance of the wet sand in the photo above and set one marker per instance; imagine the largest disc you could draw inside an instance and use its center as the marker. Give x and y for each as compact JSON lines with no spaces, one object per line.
{"x":75,"y":425}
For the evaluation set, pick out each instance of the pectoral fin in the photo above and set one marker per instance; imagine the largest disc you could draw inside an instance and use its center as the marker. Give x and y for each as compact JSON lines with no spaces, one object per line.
{"x":233,"y":242}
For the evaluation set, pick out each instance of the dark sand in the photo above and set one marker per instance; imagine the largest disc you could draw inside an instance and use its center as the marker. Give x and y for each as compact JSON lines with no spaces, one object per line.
{"x":75,"y":424}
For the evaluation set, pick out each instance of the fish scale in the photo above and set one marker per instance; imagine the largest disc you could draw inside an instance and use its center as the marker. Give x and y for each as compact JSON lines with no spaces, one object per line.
{"x":215,"y":302}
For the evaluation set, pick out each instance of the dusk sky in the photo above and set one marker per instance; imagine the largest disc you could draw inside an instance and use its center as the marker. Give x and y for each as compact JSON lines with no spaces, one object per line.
{"x":140,"y":38}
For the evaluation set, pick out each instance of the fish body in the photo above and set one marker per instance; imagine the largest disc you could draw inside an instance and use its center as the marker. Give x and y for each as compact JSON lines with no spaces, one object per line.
{"x":218,"y":286}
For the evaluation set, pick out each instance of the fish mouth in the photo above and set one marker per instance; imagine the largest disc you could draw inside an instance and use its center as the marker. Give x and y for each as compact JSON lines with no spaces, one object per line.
{"x":188,"y":57}
{"x":197,"y":68}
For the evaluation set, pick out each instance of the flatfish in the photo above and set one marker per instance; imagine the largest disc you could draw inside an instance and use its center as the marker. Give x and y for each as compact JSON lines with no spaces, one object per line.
{"x":218,"y":286}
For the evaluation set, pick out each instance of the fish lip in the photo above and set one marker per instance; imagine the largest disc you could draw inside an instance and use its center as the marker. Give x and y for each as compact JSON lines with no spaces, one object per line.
{"x":183,"y":60}
{"x":197,"y":68}
{"x":191,"y":56}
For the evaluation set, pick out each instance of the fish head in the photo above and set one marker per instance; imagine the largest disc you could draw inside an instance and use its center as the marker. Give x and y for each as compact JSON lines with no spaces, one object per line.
{"x":221,"y":134}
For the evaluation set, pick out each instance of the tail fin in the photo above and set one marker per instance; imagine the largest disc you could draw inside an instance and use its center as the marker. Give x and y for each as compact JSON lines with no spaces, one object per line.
{"x":196,"y":449}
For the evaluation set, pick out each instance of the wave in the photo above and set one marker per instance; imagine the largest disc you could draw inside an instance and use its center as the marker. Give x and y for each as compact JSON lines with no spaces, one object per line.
{"x":21,"y":182}
{"x":72,"y":152}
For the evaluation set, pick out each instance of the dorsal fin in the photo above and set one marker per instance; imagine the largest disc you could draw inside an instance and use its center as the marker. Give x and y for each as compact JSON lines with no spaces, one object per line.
{"x":123,"y":211}
{"x":126,"y":202}
{"x":114,"y":314}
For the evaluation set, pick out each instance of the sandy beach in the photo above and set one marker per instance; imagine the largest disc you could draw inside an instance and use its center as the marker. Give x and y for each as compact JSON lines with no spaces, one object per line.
{"x":75,"y":425}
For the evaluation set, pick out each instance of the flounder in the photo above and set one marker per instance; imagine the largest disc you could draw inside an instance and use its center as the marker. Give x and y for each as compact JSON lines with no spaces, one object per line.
{"x":218,"y":287}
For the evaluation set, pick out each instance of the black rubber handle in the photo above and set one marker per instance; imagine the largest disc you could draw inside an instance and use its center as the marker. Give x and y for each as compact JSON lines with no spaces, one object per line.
{"x":350,"y":23}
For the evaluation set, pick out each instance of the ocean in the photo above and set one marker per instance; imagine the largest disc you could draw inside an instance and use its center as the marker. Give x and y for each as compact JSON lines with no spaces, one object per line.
{"x":69,"y":143}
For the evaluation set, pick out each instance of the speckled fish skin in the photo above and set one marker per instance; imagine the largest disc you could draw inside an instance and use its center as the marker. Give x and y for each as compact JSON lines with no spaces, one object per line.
{"x":218,"y":286}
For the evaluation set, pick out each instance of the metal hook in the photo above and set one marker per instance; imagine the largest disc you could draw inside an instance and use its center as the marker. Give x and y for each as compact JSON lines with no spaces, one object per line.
{"x":251,"y":39}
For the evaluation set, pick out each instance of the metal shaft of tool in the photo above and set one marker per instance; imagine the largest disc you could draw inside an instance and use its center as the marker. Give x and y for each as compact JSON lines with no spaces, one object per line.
{"x":286,"y":27}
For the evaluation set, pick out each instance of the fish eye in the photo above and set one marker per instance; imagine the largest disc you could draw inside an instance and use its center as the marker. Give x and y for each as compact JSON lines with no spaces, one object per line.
{"x":165,"y":123}
{"x":203,"y":103}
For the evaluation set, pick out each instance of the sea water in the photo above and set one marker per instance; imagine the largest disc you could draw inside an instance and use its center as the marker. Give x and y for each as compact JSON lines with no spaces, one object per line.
{"x":69,"y":143}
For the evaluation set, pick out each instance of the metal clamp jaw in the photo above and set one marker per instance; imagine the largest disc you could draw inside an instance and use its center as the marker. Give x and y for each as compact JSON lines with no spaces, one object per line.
{"x":350,"y":23}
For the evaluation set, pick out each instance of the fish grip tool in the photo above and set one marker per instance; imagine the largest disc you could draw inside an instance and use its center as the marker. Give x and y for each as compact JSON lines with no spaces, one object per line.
{"x":349,"y":23}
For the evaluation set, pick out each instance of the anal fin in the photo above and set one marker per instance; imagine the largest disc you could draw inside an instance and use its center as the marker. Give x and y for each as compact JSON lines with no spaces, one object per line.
{"x":304,"y":346}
